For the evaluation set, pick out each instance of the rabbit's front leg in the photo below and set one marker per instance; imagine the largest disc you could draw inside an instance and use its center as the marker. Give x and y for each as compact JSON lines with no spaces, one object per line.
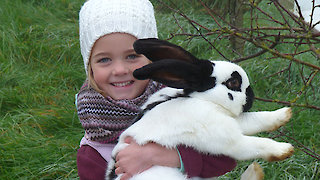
{"x":255,"y":122}
{"x":250,"y":147}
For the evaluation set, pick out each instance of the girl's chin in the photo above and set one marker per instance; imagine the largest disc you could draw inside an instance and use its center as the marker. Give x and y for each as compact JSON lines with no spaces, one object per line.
{"x":120,"y":96}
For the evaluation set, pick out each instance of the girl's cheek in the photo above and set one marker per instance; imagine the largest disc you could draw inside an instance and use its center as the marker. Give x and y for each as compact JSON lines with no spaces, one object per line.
{"x":143,"y":63}
{"x":98,"y":76}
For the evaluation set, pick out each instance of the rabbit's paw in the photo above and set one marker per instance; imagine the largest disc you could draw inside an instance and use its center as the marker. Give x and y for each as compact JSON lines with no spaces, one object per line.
{"x":283,"y":116}
{"x":283,"y":151}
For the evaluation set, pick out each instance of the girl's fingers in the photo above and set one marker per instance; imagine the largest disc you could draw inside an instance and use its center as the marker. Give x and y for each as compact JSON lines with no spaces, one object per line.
{"x":118,"y":171}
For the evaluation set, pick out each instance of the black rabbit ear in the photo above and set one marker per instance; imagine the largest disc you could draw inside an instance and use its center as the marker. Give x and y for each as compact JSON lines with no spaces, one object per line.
{"x":155,"y":49}
{"x":178,"y":74}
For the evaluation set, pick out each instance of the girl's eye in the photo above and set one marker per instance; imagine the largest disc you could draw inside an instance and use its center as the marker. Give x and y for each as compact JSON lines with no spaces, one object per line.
{"x":132,"y":56}
{"x":104,"y":60}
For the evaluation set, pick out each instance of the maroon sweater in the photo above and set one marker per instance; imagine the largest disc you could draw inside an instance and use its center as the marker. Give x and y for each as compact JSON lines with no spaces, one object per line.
{"x":91,"y":165}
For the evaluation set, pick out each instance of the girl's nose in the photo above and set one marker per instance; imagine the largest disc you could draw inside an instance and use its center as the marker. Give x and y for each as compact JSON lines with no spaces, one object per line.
{"x":120,"y":68}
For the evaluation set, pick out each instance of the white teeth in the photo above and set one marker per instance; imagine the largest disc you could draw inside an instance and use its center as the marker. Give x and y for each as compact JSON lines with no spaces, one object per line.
{"x":122,"y":84}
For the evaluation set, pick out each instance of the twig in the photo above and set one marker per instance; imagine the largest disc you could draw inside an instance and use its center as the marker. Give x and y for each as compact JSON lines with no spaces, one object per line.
{"x":304,"y":148}
{"x":259,"y":53}
{"x":288,"y":103}
{"x":192,"y":24}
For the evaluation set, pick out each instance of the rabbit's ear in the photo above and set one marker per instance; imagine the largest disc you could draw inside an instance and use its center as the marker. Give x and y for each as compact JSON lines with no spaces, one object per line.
{"x":179,"y":74}
{"x":155,"y":49}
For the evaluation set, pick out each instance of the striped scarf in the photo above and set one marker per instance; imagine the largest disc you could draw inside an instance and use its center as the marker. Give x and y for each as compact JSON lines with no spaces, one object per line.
{"x":104,"y":118}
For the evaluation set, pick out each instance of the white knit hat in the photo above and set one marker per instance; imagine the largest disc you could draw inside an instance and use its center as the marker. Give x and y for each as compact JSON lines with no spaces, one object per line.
{"x":100,"y":17}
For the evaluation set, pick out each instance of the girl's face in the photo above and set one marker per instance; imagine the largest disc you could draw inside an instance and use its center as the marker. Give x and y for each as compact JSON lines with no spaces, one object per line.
{"x":113,"y":60}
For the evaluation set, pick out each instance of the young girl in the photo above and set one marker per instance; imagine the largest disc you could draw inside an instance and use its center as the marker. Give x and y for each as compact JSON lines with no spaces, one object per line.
{"x":110,"y":99}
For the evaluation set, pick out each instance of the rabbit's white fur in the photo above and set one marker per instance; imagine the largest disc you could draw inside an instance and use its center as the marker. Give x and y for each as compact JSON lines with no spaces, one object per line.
{"x":210,"y":122}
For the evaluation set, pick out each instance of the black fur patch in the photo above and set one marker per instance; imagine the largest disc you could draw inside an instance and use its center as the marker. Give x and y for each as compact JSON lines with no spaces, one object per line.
{"x":113,"y":175}
{"x":206,"y":81}
{"x":230,"y":96}
{"x":249,"y":100}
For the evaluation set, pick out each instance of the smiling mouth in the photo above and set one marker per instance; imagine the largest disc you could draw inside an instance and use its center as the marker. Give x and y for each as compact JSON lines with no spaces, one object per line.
{"x":122,"y":84}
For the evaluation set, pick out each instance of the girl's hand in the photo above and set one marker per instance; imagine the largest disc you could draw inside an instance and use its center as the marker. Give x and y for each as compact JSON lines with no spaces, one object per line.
{"x":135,"y":159}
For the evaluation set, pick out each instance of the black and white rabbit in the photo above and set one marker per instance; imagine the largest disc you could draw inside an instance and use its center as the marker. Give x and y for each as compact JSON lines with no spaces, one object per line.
{"x":204,"y":106}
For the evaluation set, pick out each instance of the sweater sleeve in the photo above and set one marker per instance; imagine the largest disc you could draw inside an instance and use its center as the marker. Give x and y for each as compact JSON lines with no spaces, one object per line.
{"x":203,"y":165}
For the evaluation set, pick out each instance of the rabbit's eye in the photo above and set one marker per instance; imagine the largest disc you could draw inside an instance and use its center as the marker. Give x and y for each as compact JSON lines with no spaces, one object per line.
{"x":233,"y":84}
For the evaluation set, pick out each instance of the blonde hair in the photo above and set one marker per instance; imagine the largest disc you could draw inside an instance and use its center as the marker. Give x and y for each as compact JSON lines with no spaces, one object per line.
{"x":91,"y":82}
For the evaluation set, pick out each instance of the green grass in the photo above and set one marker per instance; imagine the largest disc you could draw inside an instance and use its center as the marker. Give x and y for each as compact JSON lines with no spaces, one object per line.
{"x":41,"y":69}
